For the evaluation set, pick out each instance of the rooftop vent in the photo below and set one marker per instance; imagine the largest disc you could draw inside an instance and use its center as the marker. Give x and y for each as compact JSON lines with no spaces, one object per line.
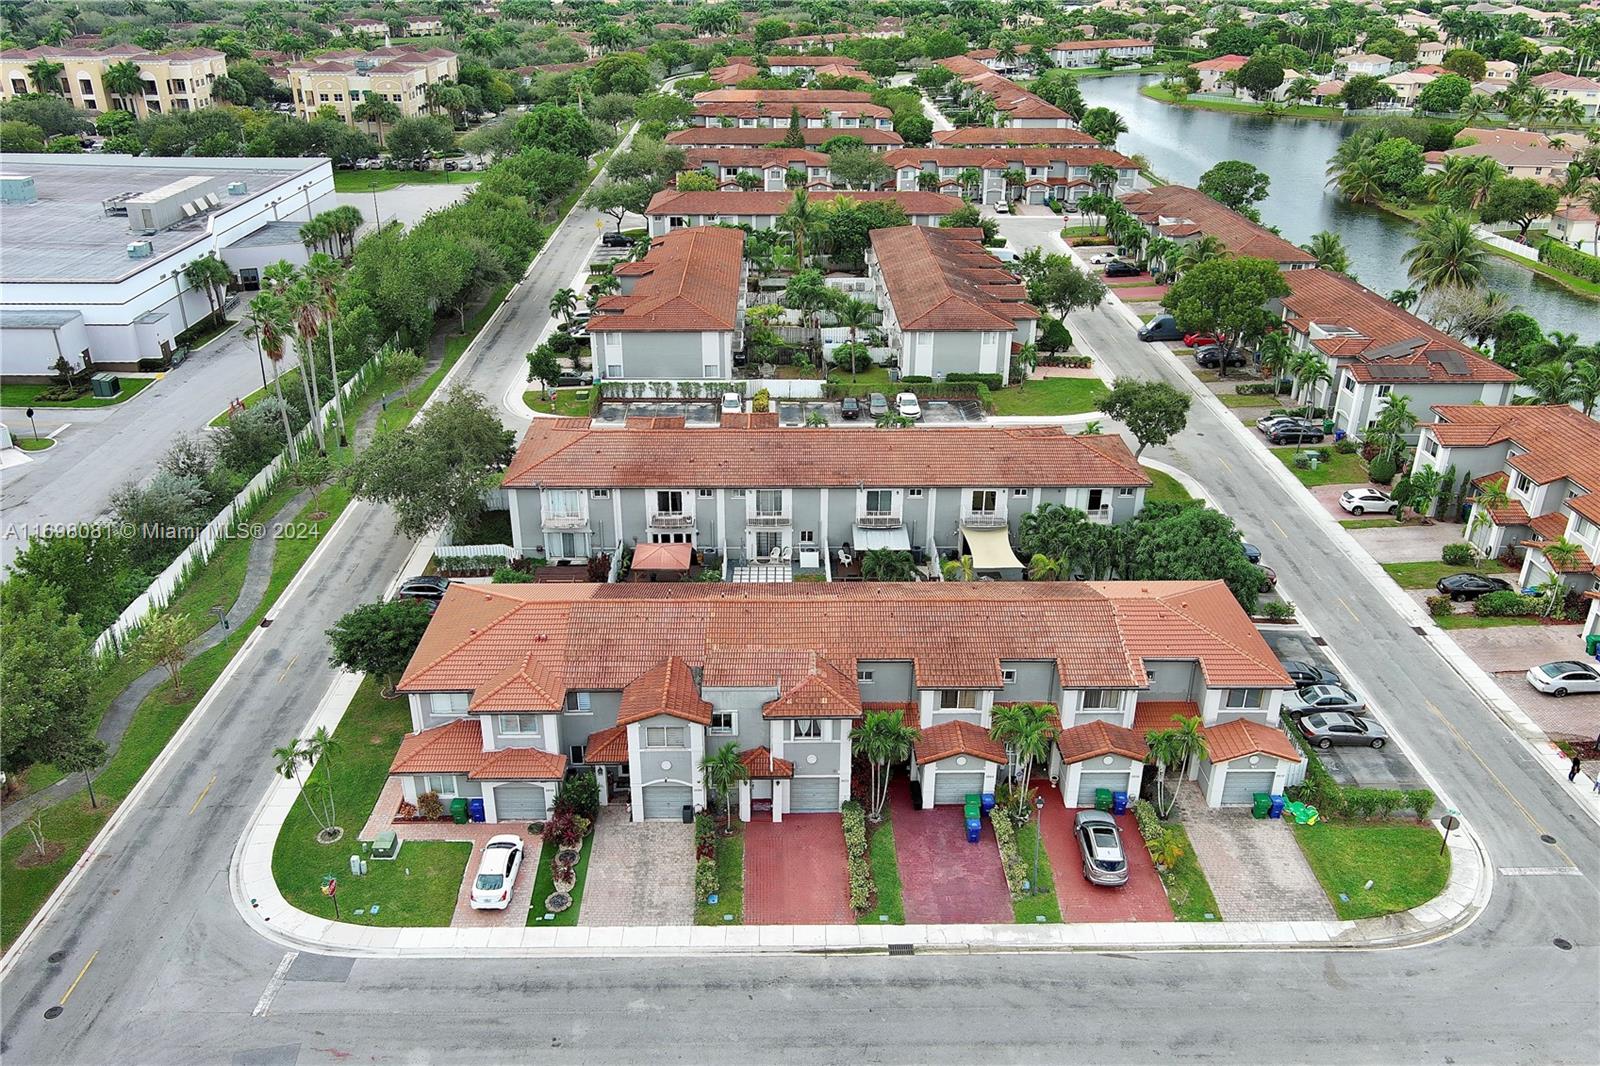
{"x":140,"y":249}
{"x":237,"y":188}
{"x":17,"y":189}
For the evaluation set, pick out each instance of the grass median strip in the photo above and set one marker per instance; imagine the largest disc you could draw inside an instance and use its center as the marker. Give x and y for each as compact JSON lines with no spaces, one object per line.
{"x":730,"y":881}
{"x":1402,"y":861}
{"x":1041,"y":901}
{"x":544,"y":883}
{"x":885,"y":876}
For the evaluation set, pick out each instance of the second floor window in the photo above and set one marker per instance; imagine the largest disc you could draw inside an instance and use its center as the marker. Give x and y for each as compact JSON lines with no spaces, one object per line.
{"x":984,"y":501}
{"x":665,"y":736}
{"x":669,"y":501}
{"x":525,"y":725}
{"x":578,"y":701}
{"x":1244,"y":698}
{"x":880,"y":501}
{"x":1101,"y":699}
{"x":1524,"y":484}
{"x":805,"y":729}
{"x":769,"y":501}
{"x":564,"y":503}
{"x":958,"y":699}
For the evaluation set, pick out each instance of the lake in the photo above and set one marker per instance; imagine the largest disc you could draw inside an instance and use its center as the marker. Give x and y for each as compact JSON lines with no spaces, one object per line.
{"x":1182,"y":143}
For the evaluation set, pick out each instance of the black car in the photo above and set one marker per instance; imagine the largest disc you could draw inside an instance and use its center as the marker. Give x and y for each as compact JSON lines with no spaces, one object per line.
{"x":1211,"y":358}
{"x":1297,"y":433}
{"x":1251,"y":552}
{"x":1470,"y":586}
{"x":1161,"y":328}
{"x":1119,"y":268}
{"x":449,"y":164}
{"x":425,"y":590}
{"x":1305,"y":674}
{"x":613,"y":239}
{"x":850,"y":408}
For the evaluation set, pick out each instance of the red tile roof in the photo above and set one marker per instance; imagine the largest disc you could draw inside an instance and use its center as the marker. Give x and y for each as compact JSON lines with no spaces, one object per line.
{"x":1221,"y":63}
{"x":1164,"y":616}
{"x":662,"y":556}
{"x":828,"y":692}
{"x":607,"y":746}
{"x":718,"y":109}
{"x":1179,"y":203}
{"x":958,"y":738}
{"x":1076,"y":155}
{"x":689,"y":281}
{"x":729,"y":202}
{"x":1099,"y":45}
{"x":529,"y":763}
{"x":1557,"y":441}
{"x":1581,"y":563}
{"x":570,"y":453}
{"x":1003,"y":136}
{"x":938,"y":280}
{"x":1091,"y":740}
{"x":759,"y":763}
{"x":668,"y":689}
{"x":1151,"y":715}
{"x":754,"y":157}
{"x":456,"y":748}
{"x":783,"y":96}
{"x":1240,"y":737}
{"x":1550,"y":526}
{"x":754,"y":137}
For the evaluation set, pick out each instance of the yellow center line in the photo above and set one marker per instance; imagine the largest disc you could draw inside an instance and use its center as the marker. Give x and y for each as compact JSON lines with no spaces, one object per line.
{"x":286,"y":669}
{"x":1280,"y":529}
{"x":202,"y":795}
{"x":1346,"y":606}
{"x":73,"y":987}
{"x":1224,"y":463}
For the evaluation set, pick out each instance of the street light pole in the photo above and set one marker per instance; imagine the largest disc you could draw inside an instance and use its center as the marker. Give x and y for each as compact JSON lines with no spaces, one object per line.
{"x":1038,"y":831}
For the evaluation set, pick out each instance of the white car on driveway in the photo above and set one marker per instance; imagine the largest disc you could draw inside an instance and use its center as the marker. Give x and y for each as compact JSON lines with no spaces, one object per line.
{"x":497,"y":873}
{"x":906,"y":405}
{"x":1568,"y":675}
{"x":1360,"y":501}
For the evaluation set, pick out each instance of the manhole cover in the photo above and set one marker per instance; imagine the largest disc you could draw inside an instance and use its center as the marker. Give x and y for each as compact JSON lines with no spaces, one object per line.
{"x":1563,"y":943}
{"x":53,"y":1013}
{"x":1547,"y":838}
{"x":57,"y":956}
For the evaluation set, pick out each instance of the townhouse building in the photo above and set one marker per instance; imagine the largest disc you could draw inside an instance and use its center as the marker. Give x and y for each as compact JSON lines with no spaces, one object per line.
{"x":748,"y":491}
{"x":1047,"y":173}
{"x":1013,"y":137}
{"x":1014,"y":106}
{"x":515,"y":686}
{"x":1021,"y":60}
{"x":1407,"y":85}
{"x":671,"y":210}
{"x":948,"y":305}
{"x":680,"y":314}
{"x":774,"y":109}
{"x":1185,"y":215}
{"x":1522,"y":153}
{"x":342,"y":79}
{"x":816,"y":66}
{"x":178,"y":80}
{"x":1374,"y":351}
{"x":1088,"y":53}
{"x":771,"y":166}
{"x":878,"y":140}
{"x":1366,"y":63}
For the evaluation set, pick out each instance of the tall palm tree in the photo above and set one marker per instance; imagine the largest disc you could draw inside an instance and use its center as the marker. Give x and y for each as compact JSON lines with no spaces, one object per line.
{"x":564,"y":304}
{"x":1328,"y":249}
{"x":1201,"y":250}
{"x":1191,"y":740}
{"x":287,"y":760}
{"x":45,"y":73}
{"x":1360,"y":180}
{"x":319,"y":751}
{"x":210,"y":275}
{"x":1043,"y":568}
{"x":797,"y":219}
{"x":1277,"y":356}
{"x":269,"y":321}
{"x":724,"y":770}
{"x":1310,"y":370}
{"x":1394,"y":423}
{"x":1586,"y":384}
{"x":1403,"y":298}
{"x":1551,"y":383}
{"x":882,"y":739}
{"x":123,"y":80}
{"x":1165,"y":753}
{"x":304,"y":304}
{"x":1027,"y":731}
{"x":1446,"y":252}
{"x":854,"y":314}
{"x":324,"y":273}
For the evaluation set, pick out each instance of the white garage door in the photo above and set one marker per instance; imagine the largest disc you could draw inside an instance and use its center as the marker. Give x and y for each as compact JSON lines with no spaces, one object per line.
{"x":666,"y":802}
{"x":955,"y":788}
{"x":813,"y":795}
{"x":519,"y":803}
{"x":1239,"y":788}
{"x":1087,"y":783}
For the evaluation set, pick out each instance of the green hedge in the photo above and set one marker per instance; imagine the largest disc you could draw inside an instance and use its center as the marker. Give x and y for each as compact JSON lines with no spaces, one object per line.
{"x":1570,"y":260}
{"x":855,"y":854}
{"x":991,"y":381}
{"x":1508,"y":605}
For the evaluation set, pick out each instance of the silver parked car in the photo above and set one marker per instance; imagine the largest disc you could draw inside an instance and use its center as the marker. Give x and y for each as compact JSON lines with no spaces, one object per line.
{"x":1323,"y":698}
{"x":1100,"y":844}
{"x":1335,"y":727}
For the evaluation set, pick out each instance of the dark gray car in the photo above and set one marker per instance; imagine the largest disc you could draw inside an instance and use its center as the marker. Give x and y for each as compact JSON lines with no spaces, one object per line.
{"x":1305,"y":674}
{"x":1327,"y":728}
{"x":877,"y":405}
{"x":1100,"y":845}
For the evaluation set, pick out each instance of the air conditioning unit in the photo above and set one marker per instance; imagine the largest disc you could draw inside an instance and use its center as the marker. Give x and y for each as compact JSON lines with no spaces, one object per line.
{"x":140,"y":249}
{"x":237,"y":188}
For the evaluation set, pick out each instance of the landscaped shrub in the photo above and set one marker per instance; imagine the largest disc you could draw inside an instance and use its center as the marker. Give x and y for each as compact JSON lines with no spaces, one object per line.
{"x":1439,"y":606}
{"x":1508,"y":605}
{"x":855,"y":855}
{"x":1257,"y":388}
{"x":1570,"y":260}
{"x":990,"y":380}
{"x":761,"y":402}
{"x":1077,"y":362}
{"x":556,"y":902}
{"x":1420,"y":800}
{"x":579,"y":796}
{"x":1381,"y":471}
{"x":706,"y":883}
{"x":1345,"y":446}
{"x":1458,"y":554}
{"x":1385,"y":801}
{"x":430,"y":806}
{"x":565,"y":830}
{"x":916,"y":379}
{"x":1277,"y":610}
{"x":1144,"y":812}
{"x":705,"y":836}
{"x":507,"y":576}
{"x":1005,"y":834}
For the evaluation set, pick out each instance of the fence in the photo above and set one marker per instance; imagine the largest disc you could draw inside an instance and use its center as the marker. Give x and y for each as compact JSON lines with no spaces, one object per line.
{"x":171,"y":580}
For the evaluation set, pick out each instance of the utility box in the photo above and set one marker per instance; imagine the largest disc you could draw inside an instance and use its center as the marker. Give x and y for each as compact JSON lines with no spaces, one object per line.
{"x":105,"y":385}
{"x":386,"y":846}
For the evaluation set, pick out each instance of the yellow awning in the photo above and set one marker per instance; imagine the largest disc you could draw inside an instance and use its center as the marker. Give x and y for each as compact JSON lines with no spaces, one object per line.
{"x":991,"y":549}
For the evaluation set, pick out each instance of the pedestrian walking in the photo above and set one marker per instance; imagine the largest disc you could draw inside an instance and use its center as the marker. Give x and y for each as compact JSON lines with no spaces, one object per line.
{"x":1577,"y":764}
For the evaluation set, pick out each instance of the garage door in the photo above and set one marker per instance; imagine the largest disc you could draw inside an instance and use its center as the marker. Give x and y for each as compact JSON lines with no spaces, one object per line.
{"x":813,"y":795}
{"x":519,"y":803}
{"x":1240,"y":786}
{"x":666,"y":801}
{"x":1087,"y":783}
{"x":955,"y":788}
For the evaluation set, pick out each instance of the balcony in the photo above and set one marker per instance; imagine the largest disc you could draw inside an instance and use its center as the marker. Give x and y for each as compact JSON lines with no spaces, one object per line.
{"x":663,"y":520}
{"x":767,"y":521}
{"x":565,"y":521}
{"x":1100,"y":516}
{"x":879,"y":521}
{"x":983,"y":520}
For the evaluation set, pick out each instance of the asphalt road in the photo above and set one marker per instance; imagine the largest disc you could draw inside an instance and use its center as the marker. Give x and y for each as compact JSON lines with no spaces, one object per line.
{"x":155,"y":966}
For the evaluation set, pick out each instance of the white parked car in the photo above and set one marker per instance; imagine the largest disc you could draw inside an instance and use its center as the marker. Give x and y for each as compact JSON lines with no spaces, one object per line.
{"x":1360,"y":501}
{"x":1560,"y":678}
{"x":906,"y":406}
{"x":1002,"y":208}
{"x":497,"y":873}
{"x":732,"y":403}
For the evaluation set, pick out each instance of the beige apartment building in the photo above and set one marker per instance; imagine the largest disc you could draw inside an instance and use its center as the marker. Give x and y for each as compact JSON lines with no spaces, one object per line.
{"x":342,"y":79}
{"x":173,"y":81}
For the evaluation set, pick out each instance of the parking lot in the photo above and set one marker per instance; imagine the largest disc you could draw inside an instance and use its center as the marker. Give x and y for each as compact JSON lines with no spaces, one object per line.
{"x":790,"y":412}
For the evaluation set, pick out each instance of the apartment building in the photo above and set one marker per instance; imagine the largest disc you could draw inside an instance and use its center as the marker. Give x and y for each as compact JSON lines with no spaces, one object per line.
{"x":774,"y":109}
{"x":342,"y":79}
{"x":1185,"y":215}
{"x":680,"y":314}
{"x":770,"y":166}
{"x":1020,"y":62}
{"x":1047,"y":173}
{"x":671,"y":210}
{"x":878,"y":140}
{"x":1087,"y":53}
{"x":515,"y":686}
{"x":1014,"y":106}
{"x":178,"y":80}
{"x":1374,"y":350}
{"x":816,"y":66}
{"x":1012,"y":137}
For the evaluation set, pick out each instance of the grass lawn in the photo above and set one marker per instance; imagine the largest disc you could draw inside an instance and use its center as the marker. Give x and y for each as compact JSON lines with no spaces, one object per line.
{"x":26,"y":394}
{"x":1187,"y":888}
{"x":1474,"y":621}
{"x":730,"y":874}
{"x":885,"y":876}
{"x":1050,"y":396}
{"x":1165,"y":488}
{"x":1369,"y":523}
{"x":1401,"y":859}
{"x":1338,"y":470}
{"x":289,"y":379}
{"x":34,"y":444}
{"x":418,"y":888}
{"x":1082,"y":231}
{"x":865,"y":381}
{"x":545,"y":883}
{"x":573,"y":403}
{"x":1156,"y":92}
{"x":1427,"y":575}
{"x":380,"y":180}
{"x":1042,"y":903}
{"x":1233,"y":399}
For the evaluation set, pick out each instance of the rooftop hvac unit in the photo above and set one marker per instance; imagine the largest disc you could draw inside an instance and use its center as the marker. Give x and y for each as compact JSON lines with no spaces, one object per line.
{"x":17,"y":189}
{"x":211,"y":199}
{"x":140,"y":249}
{"x":237,"y":188}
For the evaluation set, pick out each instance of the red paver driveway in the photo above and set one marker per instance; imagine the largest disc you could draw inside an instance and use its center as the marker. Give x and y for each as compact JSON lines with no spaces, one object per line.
{"x":943,"y":879}
{"x":1142,"y":899}
{"x":794,"y":872}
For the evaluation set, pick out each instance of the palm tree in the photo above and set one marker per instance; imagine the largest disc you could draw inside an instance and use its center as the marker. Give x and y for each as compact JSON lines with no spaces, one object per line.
{"x":853,"y":313}
{"x":1165,"y":753}
{"x":1475,"y":107}
{"x":319,"y":751}
{"x":1190,"y":743}
{"x":46,"y":74}
{"x":324,"y":274}
{"x":1491,"y":497}
{"x":210,"y":275}
{"x":1551,"y":383}
{"x":723,"y":771}
{"x":269,"y":321}
{"x":1201,"y":250}
{"x":375,"y":110}
{"x":797,"y":219}
{"x":882,"y":739}
{"x":1393,"y":424}
{"x":1446,"y":252}
{"x":1586,"y":385}
{"x":1027,"y":731}
{"x":1328,"y":249}
{"x":1469,"y":176}
{"x":1161,"y":255}
{"x":1403,"y":298}
{"x":304,"y":304}
{"x":1558,"y":346}
{"x":288,"y":759}
{"x":1277,"y":356}
{"x":564,"y":304}
{"x":1310,"y":369}
{"x":123,"y":80}
{"x":1360,"y":180}
{"x":1043,"y":568}
{"x":959,"y":570}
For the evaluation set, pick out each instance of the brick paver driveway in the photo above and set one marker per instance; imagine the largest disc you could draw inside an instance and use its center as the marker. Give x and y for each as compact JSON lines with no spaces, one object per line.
{"x":1142,"y":899}
{"x":515,"y":916}
{"x":640,"y":873}
{"x":944,"y":879}
{"x":1256,"y":868}
{"x":794,"y":872}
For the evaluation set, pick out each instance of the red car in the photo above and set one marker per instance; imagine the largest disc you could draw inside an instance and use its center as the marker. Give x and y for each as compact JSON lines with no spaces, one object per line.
{"x":1200,"y":340}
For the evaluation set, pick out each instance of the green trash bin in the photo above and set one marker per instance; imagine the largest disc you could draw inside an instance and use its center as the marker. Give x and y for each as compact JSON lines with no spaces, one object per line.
{"x":1327,"y":425}
{"x":1592,"y":644}
{"x":1102,"y":799}
{"x":1262,"y":805}
{"x":458,"y":810}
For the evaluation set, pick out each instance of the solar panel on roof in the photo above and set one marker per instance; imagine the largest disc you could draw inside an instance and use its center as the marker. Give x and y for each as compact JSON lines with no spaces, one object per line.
{"x":1397,"y":349}
{"x":1397,"y":372}
{"x":1452,"y":361}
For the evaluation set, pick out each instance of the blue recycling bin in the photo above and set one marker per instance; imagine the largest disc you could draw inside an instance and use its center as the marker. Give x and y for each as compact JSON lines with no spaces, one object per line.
{"x":475,"y":809}
{"x":988,"y":802}
{"x":1276,"y":810}
{"x":1119,"y":802}
{"x":974,"y":830}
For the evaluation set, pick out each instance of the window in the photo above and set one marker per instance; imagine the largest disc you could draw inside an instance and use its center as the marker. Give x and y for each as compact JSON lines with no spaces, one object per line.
{"x":524,"y":725}
{"x":958,"y":699}
{"x":1385,"y":390}
{"x":769,"y":501}
{"x":1008,"y":676}
{"x":880,"y":501}
{"x":443,"y":784}
{"x":915,"y":494}
{"x":613,"y":370}
{"x":863,"y":677}
{"x":563,"y":503}
{"x":1348,"y":384}
{"x":666,"y":736}
{"x":600,"y":494}
{"x":712,"y":370}
{"x":1126,"y":492}
{"x":1524,"y":484}
{"x":737,"y":494}
{"x":1430,"y":445}
{"x":578,"y":701}
{"x":576,"y":753}
{"x":1237,"y":698}
{"x":808,"y":536}
{"x":724,"y":723}
{"x":706,"y":494}
{"x":805,"y":729}
{"x":1101,"y":699}
{"x":1020,"y":492}
{"x":984,"y":501}
{"x":449,"y":703}
{"x":669,"y":501}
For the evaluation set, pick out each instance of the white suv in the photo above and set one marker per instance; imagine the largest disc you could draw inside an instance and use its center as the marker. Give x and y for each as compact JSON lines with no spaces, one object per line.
{"x":1360,"y":501}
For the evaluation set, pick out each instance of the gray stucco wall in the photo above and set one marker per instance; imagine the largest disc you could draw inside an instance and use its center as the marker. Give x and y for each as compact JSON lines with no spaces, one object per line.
{"x":826,"y":751}
{"x":1035,"y":683}
{"x":518,"y":740}
{"x":806,"y":511}
{"x":1173,"y":681}
{"x":660,"y":356}
{"x":842,"y":516}
{"x":955,"y":352}
{"x":748,"y":702}
{"x":465,"y":786}
{"x":891,"y":682}
{"x":679,"y":761}
{"x":603,"y":708}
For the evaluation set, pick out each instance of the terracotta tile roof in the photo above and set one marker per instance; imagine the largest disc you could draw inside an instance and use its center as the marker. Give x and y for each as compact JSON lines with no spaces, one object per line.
{"x":813,"y":61}
{"x":689,"y":281}
{"x":570,"y":453}
{"x":759,"y":763}
{"x":755,"y":137}
{"x":1099,"y":45}
{"x":529,"y":763}
{"x":1557,"y":441}
{"x":958,"y":738}
{"x":754,"y":157}
{"x":1076,"y":155}
{"x":668,"y":689}
{"x":1240,"y":737}
{"x":662,"y":556}
{"x":1091,"y":740}
{"x":1151,"y":715}
{"x":1581,"y":563}
{"x":937,"y":280}
{"x":1159,"y":617}
{"x":729,"y":202}
{"x":1221,"y":63}
{"x":607,"y":746}
{"x":734,"y":73}
{"x":1551,"y":526}
{"x":1179,"y":203}
{"x":1571,"y":83}
{"x":456,"y":748}
{"x":1003,"y":136}
{"x":827,"y":692}
{"x":783,"y":96}
{"x":717,"y":109}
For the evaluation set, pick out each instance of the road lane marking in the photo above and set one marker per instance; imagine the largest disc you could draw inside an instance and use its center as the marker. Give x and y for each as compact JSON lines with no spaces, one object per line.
{"x":74,"y":986}
{"x":279,"y":976}
{"x":286,"y":669}
{"x":1341,"y":603}
{"x":1539,"y":871}
{"x":1281,"y":532}
{"x":1224,"y":463}
{"x":203,"y":792}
